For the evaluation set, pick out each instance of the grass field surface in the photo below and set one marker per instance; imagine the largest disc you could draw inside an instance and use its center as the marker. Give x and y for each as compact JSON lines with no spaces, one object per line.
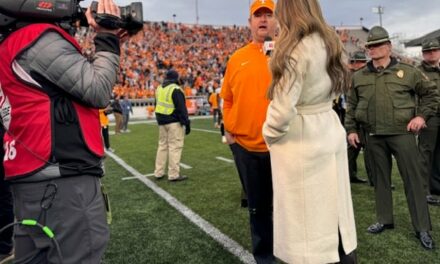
{"x":146,"y":229}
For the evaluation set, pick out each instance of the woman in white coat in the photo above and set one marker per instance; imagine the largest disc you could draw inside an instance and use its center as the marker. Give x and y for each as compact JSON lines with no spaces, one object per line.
{"x":313,"y":211}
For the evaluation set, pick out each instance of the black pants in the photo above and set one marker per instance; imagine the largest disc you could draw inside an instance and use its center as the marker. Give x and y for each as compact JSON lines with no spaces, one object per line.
{"x":6,"y":207}
{"x":345,"y":258}
{"x":106,"y":137}
{"x":255,"y":174}
{"x":429,"y":146}
{"x":353,"y":154}
{"x":404,"y":148}
{"x":6,"y":214}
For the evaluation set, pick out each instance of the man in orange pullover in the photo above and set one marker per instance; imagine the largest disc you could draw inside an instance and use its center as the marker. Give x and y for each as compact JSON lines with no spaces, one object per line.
{"x":245,"y":103}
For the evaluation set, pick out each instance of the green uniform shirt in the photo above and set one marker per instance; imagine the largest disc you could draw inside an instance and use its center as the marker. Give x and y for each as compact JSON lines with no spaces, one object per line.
{"x":433,"y":74}
{"x":383,"y":102}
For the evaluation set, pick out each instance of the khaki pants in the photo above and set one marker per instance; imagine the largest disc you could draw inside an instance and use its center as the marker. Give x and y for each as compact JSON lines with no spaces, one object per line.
{"x":118,"y":122}
{"x":171,"y":139}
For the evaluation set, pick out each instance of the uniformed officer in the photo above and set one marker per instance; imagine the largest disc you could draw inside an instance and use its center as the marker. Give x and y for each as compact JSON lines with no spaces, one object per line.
{"x":357,"y":61}
{"x":382,"y":101}
{"x":429,"y":139}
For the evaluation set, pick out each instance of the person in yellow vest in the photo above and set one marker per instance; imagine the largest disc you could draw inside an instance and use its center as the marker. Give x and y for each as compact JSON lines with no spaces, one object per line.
{"x":213,"y":101}
{"x":172,"y":118}
{"x":103,"y":119}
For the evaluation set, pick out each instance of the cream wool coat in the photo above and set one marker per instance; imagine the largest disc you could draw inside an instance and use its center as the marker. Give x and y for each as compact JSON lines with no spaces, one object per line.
{"x":312,"y":197}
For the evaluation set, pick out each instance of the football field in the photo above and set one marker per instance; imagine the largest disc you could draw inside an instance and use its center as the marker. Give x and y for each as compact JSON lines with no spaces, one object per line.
{"x":200,"y":220}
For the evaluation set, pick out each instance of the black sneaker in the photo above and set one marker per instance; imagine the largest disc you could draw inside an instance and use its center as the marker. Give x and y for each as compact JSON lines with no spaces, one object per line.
{"x":426,"y":240}
{"x":432,"y":200}
{"x":379,"y":228}
{"x":180,"y":178}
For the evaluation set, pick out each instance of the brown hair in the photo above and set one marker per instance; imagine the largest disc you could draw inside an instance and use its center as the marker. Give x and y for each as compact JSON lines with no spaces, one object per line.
{"x":298,"y":19}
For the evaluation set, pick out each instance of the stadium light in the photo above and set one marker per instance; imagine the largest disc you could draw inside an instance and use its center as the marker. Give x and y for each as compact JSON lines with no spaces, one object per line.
{"x":378,"y":10}
{"x":197,"y":12}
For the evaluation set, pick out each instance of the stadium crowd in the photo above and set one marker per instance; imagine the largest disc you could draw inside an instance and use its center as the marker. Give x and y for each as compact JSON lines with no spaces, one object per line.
{"x":197,"y":52}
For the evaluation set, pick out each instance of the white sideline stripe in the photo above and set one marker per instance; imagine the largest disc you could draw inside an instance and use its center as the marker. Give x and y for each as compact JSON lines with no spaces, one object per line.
{"x":225,"y":159}
{"x":149,"y":121}
{"x":229,"y":244}
{"x":206,"y":130}
{"x":153,"y":122}
{"x":186,"y":167}
{"x":128,"y":178}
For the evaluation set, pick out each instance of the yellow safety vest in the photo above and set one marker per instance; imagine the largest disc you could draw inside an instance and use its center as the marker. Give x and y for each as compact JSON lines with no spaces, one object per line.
{"x":164,"y":100}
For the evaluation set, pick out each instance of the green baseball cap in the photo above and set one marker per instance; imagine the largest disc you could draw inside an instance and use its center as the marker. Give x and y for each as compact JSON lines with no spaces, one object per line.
{"x":377,"y":35}
{"x":430,"y":44}
{"x":358,"y":56}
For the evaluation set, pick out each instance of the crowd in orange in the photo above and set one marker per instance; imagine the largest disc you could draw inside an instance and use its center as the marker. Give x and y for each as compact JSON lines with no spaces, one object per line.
{"x":197,"y":52}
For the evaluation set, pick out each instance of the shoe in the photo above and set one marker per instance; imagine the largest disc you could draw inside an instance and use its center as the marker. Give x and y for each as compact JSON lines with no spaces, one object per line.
{"x":5,"y":258}
{"x":426,"y":240}
{"x":244,"y":203}
{"x":110,"y":150}
{"x":157,"y":178}
{"x":180,"y":178}
{"x":432,"y":200}
{"x":379,"y":228}
{"x":357,"y":180}
{"x":224,"y":140}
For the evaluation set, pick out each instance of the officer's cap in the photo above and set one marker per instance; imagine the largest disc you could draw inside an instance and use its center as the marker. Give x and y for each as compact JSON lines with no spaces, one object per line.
{"x":358,"y":56}
{"x":377,"y":35}
{"x":430,"y":44}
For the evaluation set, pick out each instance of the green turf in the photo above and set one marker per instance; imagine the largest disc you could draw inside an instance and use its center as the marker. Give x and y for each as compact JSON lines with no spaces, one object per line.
{"x":147,"y":230}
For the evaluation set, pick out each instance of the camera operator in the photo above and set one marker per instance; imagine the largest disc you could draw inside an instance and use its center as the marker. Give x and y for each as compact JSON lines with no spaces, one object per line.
{"x":49,"y":97}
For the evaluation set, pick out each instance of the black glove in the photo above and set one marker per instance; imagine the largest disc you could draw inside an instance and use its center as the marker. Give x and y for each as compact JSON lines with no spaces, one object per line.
{"x":187,"y":129}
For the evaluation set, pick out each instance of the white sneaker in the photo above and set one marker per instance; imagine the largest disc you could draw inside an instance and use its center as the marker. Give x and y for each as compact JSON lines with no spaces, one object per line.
{"x":224,"y":140}
{"x":110,"y":150}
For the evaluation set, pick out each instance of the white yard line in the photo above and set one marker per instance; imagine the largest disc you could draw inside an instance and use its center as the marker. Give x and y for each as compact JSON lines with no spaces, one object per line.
{"x":128,"y":178}
{"x":186,"y":167}
{"x":153,"y":122}
{"x":228,"y":243}
{"x":206,"y":130}
{"x":225,"y":159}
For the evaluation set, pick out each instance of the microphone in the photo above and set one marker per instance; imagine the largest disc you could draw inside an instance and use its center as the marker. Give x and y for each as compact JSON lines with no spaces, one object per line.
{"x":268,"y":46}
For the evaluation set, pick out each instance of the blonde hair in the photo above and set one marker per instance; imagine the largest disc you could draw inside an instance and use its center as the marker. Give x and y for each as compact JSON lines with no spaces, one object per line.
{"x":298,"y":19}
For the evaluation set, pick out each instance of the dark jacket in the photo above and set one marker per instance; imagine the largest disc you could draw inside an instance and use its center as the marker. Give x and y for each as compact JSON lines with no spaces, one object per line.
{"x":433,"y":74}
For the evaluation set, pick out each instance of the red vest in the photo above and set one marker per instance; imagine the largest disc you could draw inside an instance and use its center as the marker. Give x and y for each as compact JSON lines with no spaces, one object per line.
{"x":26,"y":109}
